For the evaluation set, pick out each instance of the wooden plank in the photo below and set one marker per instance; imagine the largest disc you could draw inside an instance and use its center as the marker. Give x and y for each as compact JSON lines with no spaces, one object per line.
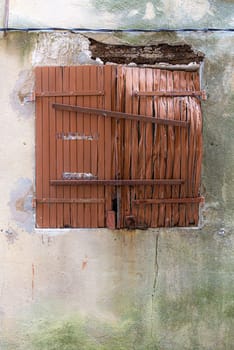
{"x":170,"y":149}
{"x":93,"y":144}
{"x":73,"y":145}
{"x":66,"y":146}
{"x":156,"y":150}
{"x":177,"y":151}
{"x":119,"y":145}
{"x":59,"y":148}
{"x":192,"y":149}
{"x":141,"y":148}
{"x":39,"y":144}
{"x":198,"y":156}
{"x":107,"y":122}
{"x":114,"y":123}
{"x":80,"y":77}
{"x":45,"y":147}
{"x":120,"y":115}
{"x":87,"y":146}
{"x":127,"y":145}
{"x":52,"y":147}
{"x":163,"y":147}
{"x":148,"y":144}
{"x":135,"y":150}
{"x":184,"y":151}
{"x":101,"y":148}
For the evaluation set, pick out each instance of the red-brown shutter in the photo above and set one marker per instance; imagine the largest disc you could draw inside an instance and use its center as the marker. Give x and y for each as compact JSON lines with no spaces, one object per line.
{"x":114,"y":141}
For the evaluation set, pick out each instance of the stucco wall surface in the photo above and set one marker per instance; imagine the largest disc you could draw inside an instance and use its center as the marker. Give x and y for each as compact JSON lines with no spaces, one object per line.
{"x":167,"y":289}
{"x":121,"y":13}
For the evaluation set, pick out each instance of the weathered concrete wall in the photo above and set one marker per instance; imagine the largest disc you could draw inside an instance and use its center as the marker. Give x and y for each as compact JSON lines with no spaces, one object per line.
{"x":121,"y":13}
{"x":99,"y":289}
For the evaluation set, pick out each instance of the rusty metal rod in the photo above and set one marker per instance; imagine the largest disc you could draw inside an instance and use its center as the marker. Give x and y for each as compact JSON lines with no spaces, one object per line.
{"x":168,"y":200}
{"x":117,"y":182}
{"x":70,"y":200}
{"x":69,"y":93}
{"x":171,"y":93}
{"x":119,"y":115}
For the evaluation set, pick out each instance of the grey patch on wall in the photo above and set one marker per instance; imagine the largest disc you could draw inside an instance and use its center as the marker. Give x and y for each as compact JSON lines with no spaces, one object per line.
{"x":11,"y":235}
{"x":21,"y":204}
{"x":60,"y":49}
{"x":22,"y":92}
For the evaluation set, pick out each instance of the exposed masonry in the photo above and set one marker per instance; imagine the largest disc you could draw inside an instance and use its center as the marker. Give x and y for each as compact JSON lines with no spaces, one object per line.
{"x":150,"y":54}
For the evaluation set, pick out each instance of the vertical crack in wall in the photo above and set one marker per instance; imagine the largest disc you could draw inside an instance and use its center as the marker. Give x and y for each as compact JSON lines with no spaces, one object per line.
{"x":156,"y":270}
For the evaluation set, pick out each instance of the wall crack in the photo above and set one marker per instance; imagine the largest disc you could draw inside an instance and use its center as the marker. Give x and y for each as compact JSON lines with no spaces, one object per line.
{"x":156,"y":271}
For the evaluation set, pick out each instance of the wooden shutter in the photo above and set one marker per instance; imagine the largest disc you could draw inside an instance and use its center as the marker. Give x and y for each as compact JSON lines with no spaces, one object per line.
{"x":115,"y":141}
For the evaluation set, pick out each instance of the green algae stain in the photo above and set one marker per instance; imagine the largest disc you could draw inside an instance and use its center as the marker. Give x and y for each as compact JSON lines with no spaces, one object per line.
{"x":77,"y":333}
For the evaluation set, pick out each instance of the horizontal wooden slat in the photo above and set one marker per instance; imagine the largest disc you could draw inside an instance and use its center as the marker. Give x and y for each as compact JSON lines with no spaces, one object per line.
{"x":168,"y":200}
{"x":117,"y":182}
{"x":71,"y":200}
{"x":69,"y":93}
{"x":171,"y":93}
{"x":119,"y":115}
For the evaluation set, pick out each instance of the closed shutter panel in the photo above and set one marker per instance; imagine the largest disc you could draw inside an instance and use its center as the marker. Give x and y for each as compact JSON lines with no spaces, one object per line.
{"x":117,"y":140}
{"x":71,"y":146}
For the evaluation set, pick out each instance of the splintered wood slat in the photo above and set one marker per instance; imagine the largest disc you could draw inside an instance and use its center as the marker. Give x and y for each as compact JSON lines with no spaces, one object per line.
{"x":59,"y":148}
{"x":46,"y":148}
{"x":163,"y":147}
{"x":113,"y":140}
{"x":80,"y":145}
{"x":198,"y":156}
{"x":148,"y":144}
{"x":141,"y":146}
{"x":39,"y":145}
{"x":118,"y":145}
{"x":170,"y":149}
{"x":127,"y":145}
{"x":156,"y":151}
{"x":52,"y":149}
{"x":73,"y":146}
{"x":184,"y":152}
{"x":108,"y":86}
{"x":134,"y":140}
{"x":177,"y":150}
{"x":191,"y":149}
{"x":101,"y":149}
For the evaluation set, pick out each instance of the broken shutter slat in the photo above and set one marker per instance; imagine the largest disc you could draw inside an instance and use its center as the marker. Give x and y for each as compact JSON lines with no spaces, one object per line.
{"x":201,"y":94}
{"x":168,"y":201}
{"x":119,"y":115}
{"x":117,"y":182}
{"x":68,"y":93}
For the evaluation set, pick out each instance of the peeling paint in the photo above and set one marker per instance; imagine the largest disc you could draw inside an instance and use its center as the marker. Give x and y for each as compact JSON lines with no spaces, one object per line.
{"x":72,"y":176}
{"x":70,"y":136}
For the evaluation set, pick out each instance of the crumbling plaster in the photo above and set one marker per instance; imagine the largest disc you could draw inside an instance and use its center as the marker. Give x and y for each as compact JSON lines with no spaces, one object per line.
{"x":102,"y":289}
